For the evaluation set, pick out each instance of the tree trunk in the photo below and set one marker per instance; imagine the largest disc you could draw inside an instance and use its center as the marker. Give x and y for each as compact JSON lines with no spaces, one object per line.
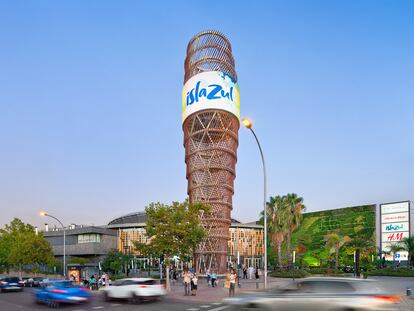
{"x":288,"y":241}
{"x":167,"y":277}
{"x":336,"y":258}
{"x":357,"y":255}
{"x":279,"y":254}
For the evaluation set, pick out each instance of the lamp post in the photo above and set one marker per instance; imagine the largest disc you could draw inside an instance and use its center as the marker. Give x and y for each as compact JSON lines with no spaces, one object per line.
{"x":44,"y":214}
{"x":248,"y":124}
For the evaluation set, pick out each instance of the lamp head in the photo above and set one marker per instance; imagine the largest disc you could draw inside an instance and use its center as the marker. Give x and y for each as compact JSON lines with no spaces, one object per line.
{"x":43,"y":214}
{"x":247,"y":122}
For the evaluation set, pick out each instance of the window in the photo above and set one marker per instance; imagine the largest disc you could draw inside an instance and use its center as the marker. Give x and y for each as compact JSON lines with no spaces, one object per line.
{"x":89,"y":238}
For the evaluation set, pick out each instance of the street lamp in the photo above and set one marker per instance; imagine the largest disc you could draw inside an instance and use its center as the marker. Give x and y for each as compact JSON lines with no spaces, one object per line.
{"x":44,"y":214}
{"x":248,"y":124}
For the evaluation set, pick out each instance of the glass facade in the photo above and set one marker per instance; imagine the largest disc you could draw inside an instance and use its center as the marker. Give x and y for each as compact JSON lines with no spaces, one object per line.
{"x":127,"y":235}
{"x":250,"y":240}
{"x":89,"y":238}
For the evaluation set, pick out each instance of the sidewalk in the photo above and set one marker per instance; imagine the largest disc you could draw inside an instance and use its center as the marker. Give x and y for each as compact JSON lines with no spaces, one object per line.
{"x":216,"y":294}
{"x":406,"y":304}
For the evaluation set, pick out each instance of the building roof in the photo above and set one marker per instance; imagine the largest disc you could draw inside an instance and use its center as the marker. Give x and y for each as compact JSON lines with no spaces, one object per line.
{"x":139,"y":219}
{"x":79,"y":230}
{"x":132,"y":218}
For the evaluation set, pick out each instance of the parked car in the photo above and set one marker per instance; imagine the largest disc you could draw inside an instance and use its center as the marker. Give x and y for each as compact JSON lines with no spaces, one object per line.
{"x":134,"y":289}
{"x":318,"y":294}
{"x":348,"y":269}
{"x":11,"y":284}
{"x":37,"y":281}
{"x":57,"y":292}
{"x":27,"y":281}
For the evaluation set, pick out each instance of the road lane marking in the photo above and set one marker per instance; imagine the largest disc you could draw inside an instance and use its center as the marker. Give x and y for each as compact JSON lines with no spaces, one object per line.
{"x":193,"y":309}
{"x":96,"y":308}
{"x":219,"y":308}
{"x":115,"y":305}
{"x":216,"y":303}
{"x":205,"y":306}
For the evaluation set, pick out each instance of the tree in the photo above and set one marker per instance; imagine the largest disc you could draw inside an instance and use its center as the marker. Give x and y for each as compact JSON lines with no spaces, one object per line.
{"x":296,"y":206}
{"x":334,"y":242}
{"x":408,"y":245}
{"x":115,"y":262}
{"x":20,"y":246}
{"x":277,"y":214}
{"x":173,"y":230}
{"x":361,"y":242}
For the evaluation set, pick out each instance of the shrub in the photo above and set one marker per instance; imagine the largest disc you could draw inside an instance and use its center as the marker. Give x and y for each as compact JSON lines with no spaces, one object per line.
{"x":392,"y":272}
{"x":117,"y":277}
{"x":297,"y":274}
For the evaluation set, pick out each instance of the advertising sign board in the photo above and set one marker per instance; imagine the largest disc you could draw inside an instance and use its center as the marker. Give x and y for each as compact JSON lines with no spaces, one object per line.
{"x":395,"y":226}
{"x":397,"y":217}
{"x":210,"y":90}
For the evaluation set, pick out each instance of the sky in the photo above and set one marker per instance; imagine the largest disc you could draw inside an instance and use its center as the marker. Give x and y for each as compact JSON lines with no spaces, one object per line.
{"x":90,"y":103}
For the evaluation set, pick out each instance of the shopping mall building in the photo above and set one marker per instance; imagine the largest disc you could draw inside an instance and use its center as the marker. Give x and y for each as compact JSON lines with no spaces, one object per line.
{"x":383,"y":224}
{"x":245,"y":244}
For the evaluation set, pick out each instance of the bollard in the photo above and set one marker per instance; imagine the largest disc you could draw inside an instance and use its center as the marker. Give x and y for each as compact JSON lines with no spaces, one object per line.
{"x":408,"y":292}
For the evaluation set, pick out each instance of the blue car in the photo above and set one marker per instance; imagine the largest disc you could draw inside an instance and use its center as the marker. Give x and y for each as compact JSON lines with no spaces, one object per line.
{"x":55,"y":293}
{"x":11,"y":284}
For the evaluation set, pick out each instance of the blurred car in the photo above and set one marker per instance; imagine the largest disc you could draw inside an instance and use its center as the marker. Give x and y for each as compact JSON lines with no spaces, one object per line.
{"x":55,"y":293}
{"x":37,"y":281}
{"x":11,"y":284}
{"x":318,"y":294}
{"x":134,"y":289}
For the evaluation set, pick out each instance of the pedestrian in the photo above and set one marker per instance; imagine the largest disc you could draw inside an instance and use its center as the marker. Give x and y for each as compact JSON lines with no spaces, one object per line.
{"x":208,"y":277}
{"x":251,"y":270}
{"x":92,"y":282}
{"x":175,"y":274}
{"x":244,"y":272}
{"x":194,"y":282}
{"x":187,"y":282}
{"x":256,"y":273}
{"x":213,"y":279}
{"x":232,"y":281}
{"x":105,"y":279}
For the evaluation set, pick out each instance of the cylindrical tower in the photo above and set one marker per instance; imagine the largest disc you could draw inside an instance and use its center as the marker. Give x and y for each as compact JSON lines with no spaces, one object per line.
{"x":211,"y":112}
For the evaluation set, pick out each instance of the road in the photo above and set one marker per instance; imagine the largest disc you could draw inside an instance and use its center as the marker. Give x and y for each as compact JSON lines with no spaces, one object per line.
{"x":208,"y":299}
{"x":16,"y":301}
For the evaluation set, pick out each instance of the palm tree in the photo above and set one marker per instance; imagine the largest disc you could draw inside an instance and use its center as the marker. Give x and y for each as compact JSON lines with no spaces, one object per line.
{"x":334,"y":242}
{"x":408,"y":245}
{"x":394,"y":249}
{"x":276,"y":223}
{"x":295,"y":208}
{"x":361,"y":241}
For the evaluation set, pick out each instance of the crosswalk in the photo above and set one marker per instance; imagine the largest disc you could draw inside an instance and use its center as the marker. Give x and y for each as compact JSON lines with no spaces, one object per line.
{"x":215,"y":305}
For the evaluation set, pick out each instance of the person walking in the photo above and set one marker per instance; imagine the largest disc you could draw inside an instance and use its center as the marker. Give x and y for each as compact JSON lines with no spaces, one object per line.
{"x":208,"y":274}
{"x":187,"y":282}
{"x":251,"y":270}
{"x":92,"y":282}
{"x":244,"y":272}
{"x":213,"y":279}
{"x":194,"y":282}
{"x":256,"y":275}
{"x":175,"y":274}
{"x":232,"y":281}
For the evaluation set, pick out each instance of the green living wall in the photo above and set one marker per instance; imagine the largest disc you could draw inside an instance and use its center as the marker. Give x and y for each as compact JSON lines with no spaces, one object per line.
{"x":309,"y":239}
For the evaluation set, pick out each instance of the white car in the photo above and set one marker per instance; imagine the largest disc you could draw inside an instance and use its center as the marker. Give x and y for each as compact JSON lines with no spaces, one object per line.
{"x":134,"y":289}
